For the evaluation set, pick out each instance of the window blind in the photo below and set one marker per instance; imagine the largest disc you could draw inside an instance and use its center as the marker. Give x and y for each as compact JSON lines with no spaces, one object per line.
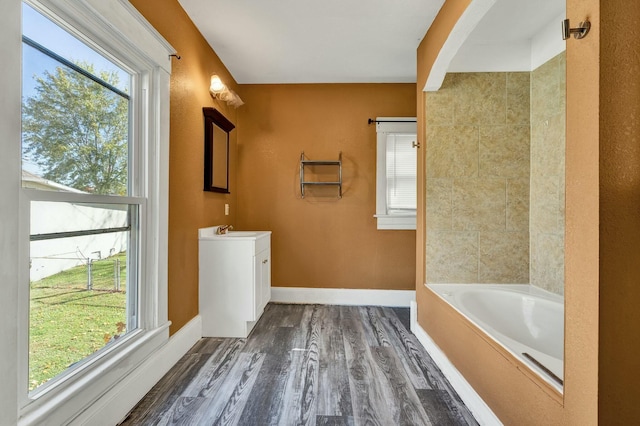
{"x":401,"y":172}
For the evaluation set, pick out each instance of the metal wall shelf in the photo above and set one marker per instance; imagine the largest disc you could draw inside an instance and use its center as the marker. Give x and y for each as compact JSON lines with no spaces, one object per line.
{"x":337,"y":163}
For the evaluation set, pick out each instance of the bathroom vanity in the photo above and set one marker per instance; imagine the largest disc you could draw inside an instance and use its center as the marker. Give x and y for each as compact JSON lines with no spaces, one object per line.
{"x":234,"y":280}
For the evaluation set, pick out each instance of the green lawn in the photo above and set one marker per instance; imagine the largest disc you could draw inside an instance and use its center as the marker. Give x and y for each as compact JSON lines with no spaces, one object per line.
{"x":69,"y":322}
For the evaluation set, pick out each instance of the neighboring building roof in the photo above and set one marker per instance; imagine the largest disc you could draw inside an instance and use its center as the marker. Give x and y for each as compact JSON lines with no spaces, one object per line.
{"x":29,"y":180}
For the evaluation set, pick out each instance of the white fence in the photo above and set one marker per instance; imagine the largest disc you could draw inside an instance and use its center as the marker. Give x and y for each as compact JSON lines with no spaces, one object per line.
{"x":51,"y":256}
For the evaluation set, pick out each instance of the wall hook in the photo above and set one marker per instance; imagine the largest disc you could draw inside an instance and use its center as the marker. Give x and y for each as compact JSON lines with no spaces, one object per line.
{"x":175,"y":55}
{"x":580,"y":32}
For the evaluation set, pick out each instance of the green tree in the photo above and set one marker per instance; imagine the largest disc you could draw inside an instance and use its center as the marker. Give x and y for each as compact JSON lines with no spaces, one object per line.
{"x":76,"y":130}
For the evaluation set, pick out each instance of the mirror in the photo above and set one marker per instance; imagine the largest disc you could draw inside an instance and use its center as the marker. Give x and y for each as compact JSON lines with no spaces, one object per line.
{"x":216,"y":150}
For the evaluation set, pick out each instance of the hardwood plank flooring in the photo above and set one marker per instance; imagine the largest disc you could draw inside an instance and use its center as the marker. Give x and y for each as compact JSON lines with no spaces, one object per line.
{"x":334,"y":397}
{"x":308,"y":365}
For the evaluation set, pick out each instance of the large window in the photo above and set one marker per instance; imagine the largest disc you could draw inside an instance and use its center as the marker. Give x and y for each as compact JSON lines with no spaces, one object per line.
{"x":94,"y":182}
{"x":83,"y":255}
{"x":396,"y":173}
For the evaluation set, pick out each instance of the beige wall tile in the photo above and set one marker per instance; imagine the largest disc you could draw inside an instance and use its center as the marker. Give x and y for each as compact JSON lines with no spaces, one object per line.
{"x":478,"y":166}
{"x":504,"y":257}
{"x":439,"y":192}
{"x":518,"y":82}
{"x":518,"y":98}
{"x":562,"y":75}
{"x":518,"y":204}
{"x":499,"y":142}
{"x":545,"y":205}
{"x":479,"y":204}
{"x":561,"y":200}
{"x":452,"y":257}
{"x":480,"y":98}
{"x":452,"y":151}
{"x":547,"y":262}
{"x":518,"y":110}
{"x":548,"y":146}
{"x":439,"y":105}
{"x":554,"y":144}
{"x":547,"y":209}
{"x":546,"y":90}
{"x":504,"y":151}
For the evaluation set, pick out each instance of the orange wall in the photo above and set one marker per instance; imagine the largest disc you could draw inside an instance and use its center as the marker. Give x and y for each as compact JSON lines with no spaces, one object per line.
{"x":190,"y":207}
{"x":619,"y":360}
{"x":500,"y":380}
{"x":321,"y":241}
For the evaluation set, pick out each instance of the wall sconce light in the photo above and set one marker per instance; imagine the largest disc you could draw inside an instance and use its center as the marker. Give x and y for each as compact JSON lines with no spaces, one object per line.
{"x":220,"y":91}
{"x":217,"y":86}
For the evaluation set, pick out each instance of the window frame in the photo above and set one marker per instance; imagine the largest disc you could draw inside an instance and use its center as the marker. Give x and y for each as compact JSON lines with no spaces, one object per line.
{"x":385,"y":219}
{"x":117,"y":31}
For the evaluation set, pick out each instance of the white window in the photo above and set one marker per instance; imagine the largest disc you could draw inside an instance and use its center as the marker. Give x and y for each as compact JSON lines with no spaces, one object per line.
{"x":396,"y":173}
{"x":94,"y":190}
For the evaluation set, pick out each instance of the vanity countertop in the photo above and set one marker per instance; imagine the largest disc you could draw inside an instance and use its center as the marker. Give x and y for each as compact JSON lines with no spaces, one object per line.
{"x":210,"y":234}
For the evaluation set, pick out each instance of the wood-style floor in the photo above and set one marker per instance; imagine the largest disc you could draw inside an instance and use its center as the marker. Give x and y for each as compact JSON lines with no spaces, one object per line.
{"x":308,"y":365}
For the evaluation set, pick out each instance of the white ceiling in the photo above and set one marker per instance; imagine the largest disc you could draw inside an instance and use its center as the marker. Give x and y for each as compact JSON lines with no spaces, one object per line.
{"x":344,"y":41}
{"x":303,"y":41}
{"x":516,"y":20}
{"x":513,"y":35}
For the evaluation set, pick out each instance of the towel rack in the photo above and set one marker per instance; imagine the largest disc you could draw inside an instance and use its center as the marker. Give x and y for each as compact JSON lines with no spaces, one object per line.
{"x":335,"y":163}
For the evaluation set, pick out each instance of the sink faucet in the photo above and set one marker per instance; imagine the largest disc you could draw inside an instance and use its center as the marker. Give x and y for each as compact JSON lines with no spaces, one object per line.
{"x":223,"y":229}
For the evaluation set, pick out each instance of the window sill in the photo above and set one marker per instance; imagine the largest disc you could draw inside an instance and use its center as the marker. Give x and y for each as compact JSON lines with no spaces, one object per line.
{"x":396,"y":221}
{"x":66,"y":399}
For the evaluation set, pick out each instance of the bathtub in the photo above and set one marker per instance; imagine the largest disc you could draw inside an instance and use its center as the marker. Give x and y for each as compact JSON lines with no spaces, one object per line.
{"x":525,"y":320}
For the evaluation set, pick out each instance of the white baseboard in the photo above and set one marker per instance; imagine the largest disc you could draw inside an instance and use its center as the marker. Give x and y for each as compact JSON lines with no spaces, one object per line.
{"x":469,"y":396}
{"x":114,"y":405}
{"x":343,"y":296}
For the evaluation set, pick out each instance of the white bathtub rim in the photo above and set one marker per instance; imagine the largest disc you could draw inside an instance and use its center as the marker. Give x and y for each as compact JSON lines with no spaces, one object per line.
{"x":473,"y":301}
{"x":519,"y":288}
{"x":556,"y":366}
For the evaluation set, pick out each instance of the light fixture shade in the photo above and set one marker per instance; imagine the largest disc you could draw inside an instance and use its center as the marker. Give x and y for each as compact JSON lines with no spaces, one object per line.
{"x":217,"y":86}
{"x":235,"y":100}
{"x":220,"y":91}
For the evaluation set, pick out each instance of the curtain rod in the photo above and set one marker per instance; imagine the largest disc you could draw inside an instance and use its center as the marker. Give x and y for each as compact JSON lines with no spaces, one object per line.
{"x":371,"y":120}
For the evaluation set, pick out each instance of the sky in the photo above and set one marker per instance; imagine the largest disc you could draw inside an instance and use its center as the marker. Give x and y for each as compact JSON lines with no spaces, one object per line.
{"x":34,"y":63}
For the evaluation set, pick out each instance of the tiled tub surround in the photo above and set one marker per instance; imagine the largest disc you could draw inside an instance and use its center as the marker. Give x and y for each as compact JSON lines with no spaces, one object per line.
{"x":495,"y":192}
{"x":548,"y":111}
{"x":478,"y":133}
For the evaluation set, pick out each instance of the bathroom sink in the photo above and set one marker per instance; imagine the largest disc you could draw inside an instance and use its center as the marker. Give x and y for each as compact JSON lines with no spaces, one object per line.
{"x":232,"y":234}
{"x":210,"y":234}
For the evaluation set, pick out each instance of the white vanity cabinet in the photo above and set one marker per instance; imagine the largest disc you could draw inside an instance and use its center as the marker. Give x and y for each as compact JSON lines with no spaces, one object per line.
{"x":234,"y":280}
